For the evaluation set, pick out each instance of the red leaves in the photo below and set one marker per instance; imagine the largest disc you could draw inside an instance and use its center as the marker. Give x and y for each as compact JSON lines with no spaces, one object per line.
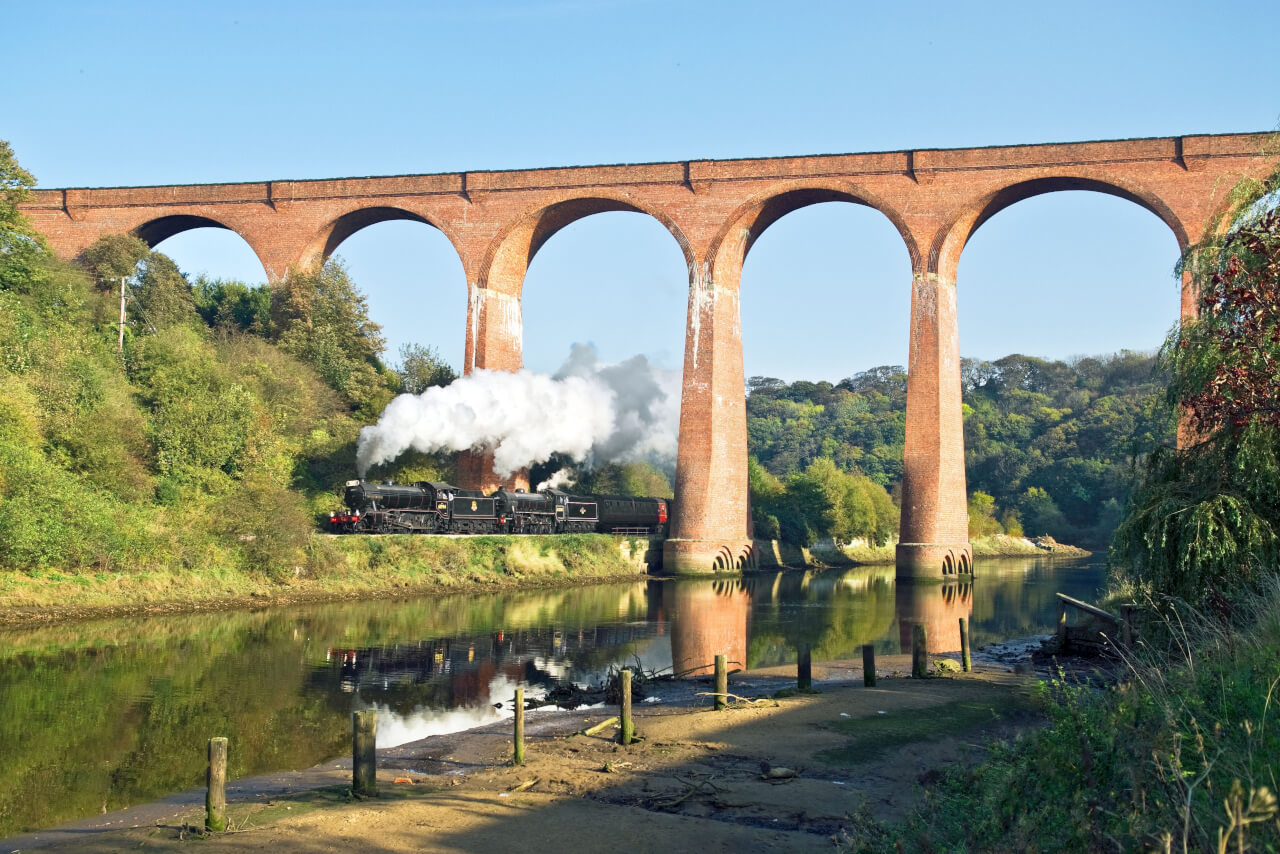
{"x":1240,"y":332}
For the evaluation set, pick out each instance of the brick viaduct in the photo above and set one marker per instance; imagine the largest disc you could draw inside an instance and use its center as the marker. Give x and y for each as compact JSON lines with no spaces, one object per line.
{"x":715,"y":210}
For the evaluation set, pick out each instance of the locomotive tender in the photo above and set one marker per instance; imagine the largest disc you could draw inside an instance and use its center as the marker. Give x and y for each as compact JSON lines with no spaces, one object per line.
{"x":434,"y":507}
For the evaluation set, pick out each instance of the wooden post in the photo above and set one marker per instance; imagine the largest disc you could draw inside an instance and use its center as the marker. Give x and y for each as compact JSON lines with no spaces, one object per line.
{"x":868,"y":665}
{"x":1126,"y":626}
{"x":919,"y":651}
{"x":628,"y":726}
{"x":804,"y":668}
{"x":364,"y":756}
{"x":215,"y":800}
{"x":120,"y":345}
{"x":722,"y":684}
{"x":517,"y":755}
{"x":965,"y":661}
{"x":1062,"y":623}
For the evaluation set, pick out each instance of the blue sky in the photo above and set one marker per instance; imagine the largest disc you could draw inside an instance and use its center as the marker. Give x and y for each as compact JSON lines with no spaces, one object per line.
{"x":127,"y":93}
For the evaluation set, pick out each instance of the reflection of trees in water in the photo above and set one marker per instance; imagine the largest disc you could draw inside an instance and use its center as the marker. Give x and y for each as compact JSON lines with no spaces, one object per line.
{"x":833,"y":612}
{"x":118,"y":711}
{"x":938,"y":607}
{"x":1015,"y":598}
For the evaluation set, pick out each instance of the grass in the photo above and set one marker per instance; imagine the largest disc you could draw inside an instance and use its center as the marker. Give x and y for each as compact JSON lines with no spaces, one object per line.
{"x":995,"y":545}
{"x":873,"y":737}
{"x":1182,"y":755}
{"x":337,"y":567}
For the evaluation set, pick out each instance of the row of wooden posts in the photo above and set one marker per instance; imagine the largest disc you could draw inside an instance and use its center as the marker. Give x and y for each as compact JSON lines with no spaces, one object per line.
{"x":364,"y":723}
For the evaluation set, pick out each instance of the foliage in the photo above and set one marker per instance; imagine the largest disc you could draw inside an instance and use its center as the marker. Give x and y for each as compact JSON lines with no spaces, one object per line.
{"x":22,"y":249}
{"x":114,"y":257}
{"x":637,"y":477}
{"x":858,"y":423}
{"x":1070,"y":431}
{"x":161,"y":296}
{"x":233,"y":306}
{"x":1204,"y":521}
{"x":982,"y":515}
{"x":421,"y":368}
{"x":320,"y":317}
{"x":1171,"y":759}
{"x":822,"y":501}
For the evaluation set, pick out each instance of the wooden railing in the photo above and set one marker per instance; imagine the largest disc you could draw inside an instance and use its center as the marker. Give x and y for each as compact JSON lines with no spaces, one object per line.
{"x":1091,"y":634}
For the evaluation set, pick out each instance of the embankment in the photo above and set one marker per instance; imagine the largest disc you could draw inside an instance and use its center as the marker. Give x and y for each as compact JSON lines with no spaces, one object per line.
{"x":352,"y":567}
{"x":827,"y":553}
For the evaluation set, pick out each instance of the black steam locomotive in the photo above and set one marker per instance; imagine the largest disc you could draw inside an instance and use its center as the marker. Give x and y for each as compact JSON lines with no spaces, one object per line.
{"x":432,"y":507}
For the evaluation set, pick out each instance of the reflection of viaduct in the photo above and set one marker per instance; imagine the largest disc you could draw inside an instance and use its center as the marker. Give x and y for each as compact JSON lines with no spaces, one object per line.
{"x":715,"y":210}
{"x":938,"y":608}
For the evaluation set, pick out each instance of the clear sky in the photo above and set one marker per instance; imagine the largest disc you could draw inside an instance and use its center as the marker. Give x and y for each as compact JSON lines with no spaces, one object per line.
{"x":136,"y":93}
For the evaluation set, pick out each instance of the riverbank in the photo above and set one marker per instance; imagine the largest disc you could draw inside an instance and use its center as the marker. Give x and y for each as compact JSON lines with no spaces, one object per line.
{"x":827,"y":553}
{"x":1001,"y":759}
{"x":340,"y":568}
{"x":344,"y":568}
{"x":787,"y":774}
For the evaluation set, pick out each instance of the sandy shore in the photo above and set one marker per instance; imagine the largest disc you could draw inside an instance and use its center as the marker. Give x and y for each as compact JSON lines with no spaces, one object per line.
{"x":698,"y":780}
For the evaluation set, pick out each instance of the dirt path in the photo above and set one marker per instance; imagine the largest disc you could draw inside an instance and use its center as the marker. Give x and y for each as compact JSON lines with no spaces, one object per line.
{"x":694,"y":783}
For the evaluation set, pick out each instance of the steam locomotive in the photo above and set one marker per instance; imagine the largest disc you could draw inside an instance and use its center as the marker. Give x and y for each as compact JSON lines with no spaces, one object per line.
{"x":434,"y":507}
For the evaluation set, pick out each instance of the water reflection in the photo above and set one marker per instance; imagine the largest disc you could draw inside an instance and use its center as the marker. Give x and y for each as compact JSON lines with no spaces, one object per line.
{"x":117,"y":712}
{"x":707,"y":618}
{"x":937,"y":607}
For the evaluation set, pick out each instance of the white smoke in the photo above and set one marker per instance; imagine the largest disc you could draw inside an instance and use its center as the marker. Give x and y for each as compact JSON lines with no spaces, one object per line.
{"x":563,"y":477}
{"x":589,"y":412}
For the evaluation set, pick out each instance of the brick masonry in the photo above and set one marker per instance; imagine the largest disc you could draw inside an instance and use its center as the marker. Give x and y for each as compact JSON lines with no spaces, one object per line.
{"x":715,"y":210}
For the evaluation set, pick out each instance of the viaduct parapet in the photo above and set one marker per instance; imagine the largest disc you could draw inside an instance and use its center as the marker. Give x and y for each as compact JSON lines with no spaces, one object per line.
{"x":715,"y":210}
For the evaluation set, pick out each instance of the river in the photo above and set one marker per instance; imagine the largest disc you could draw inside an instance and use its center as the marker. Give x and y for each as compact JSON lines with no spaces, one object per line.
{"x":102,"y":715}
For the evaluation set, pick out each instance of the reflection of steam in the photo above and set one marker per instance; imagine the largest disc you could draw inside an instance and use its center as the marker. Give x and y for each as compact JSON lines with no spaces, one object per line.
{"x":587,"y":411}
{"x":938,"y":607}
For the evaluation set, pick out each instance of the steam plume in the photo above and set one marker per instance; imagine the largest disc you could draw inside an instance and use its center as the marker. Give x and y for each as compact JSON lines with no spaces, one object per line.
{"x":588,"y":411}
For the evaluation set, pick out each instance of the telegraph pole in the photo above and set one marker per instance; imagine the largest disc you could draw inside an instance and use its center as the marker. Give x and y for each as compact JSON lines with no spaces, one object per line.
{"x":121,"y":343}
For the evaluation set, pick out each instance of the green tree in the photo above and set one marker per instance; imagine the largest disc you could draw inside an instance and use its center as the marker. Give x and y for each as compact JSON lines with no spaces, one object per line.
{"x":161,"y":297}
{"x":233,"y":305}
{"x":1205,"y":519}
{"x":320,"y":316}
{"x":1040,"y":515}
{"x":114,"y":257}
{"x":421,"y":368}
{"x":22,"y":248}
{"x":765,"y":490}
{"x":982,"y":515}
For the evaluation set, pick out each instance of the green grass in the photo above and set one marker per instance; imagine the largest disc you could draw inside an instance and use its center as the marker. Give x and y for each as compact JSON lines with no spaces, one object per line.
{"x":1184,"y":754}
{"x":875,"y":736}
{"x":338,"y":567}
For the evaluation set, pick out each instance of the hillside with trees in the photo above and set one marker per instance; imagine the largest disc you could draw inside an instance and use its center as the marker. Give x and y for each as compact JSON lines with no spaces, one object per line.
{"x":1050,"y":446}
{"x":213,"y":439}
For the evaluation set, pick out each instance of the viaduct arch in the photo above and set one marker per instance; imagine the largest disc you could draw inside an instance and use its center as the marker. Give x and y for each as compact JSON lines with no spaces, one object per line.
{"x":715,"y":209}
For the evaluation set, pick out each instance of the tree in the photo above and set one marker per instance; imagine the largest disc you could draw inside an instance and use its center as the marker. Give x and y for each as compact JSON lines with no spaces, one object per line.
{"x":21,"y":247}
{"x":320,"y":317}
{"x":233,"y":305}
{"x":1205,"y":519}
{"x":161,"y":297}
{"x":421,"y":368}
{"x":114,"y":257}
{"x":982,"y":515}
